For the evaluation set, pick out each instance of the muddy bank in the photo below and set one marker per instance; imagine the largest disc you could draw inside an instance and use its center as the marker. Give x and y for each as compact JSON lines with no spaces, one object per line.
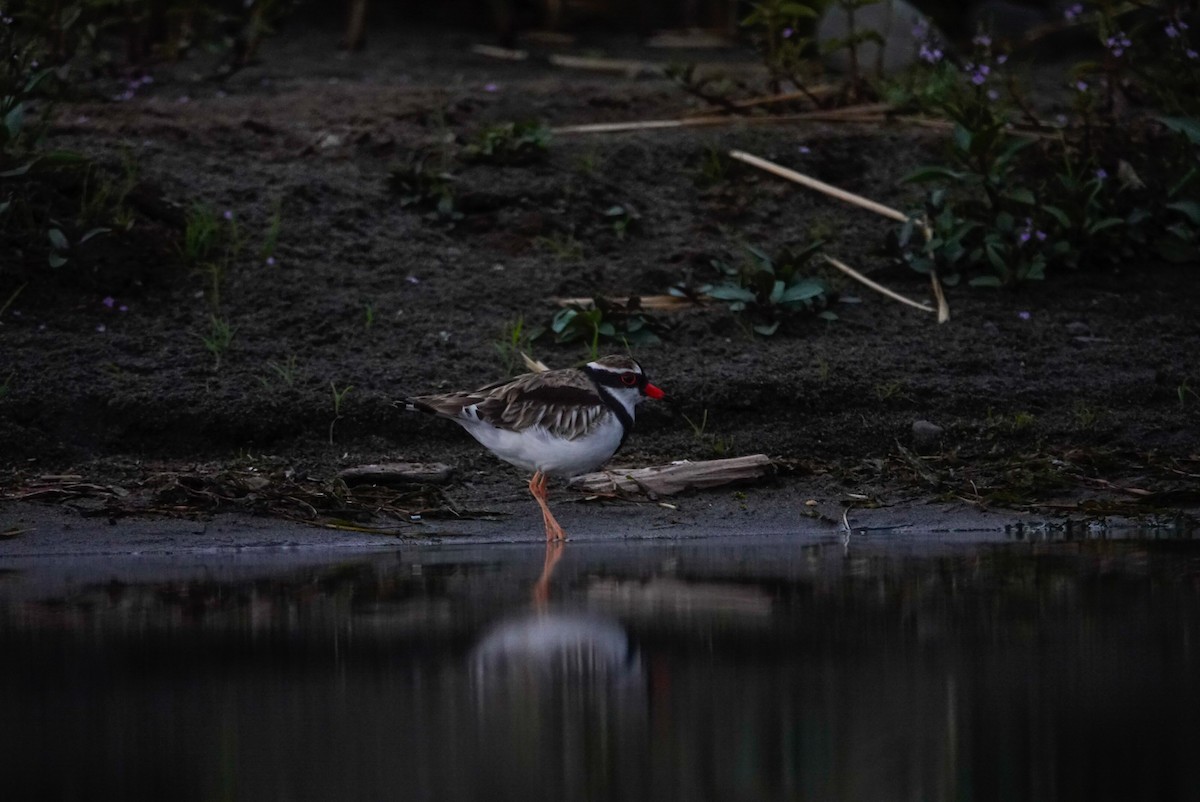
{"x":1078,"y":387}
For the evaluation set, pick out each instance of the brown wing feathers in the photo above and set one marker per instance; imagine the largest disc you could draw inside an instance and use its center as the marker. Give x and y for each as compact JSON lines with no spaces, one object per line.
{"x":563,"y":401}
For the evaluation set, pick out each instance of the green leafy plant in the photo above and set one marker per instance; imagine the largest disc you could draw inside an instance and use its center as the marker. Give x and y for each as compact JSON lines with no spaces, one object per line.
{"x":421,"y":187}
{"x":778,"y":29}
{"x":1007,"y":209}
{"x":368,"y":316}
{"x":603,"y":321}
{"x":97,"y":34}
{"x":514,"y":143}
{"x":61,"y":247}
{"x":855,"y":37}
{"x":768,"y":291}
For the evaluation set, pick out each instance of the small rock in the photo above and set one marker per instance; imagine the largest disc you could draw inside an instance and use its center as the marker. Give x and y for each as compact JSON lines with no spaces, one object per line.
{"x":926,"y":436}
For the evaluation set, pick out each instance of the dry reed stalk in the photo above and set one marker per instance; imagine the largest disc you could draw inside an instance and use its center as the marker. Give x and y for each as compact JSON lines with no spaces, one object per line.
{"x":859,"y":277}
{"x":819,"y":186}
{"x":833,"y":116}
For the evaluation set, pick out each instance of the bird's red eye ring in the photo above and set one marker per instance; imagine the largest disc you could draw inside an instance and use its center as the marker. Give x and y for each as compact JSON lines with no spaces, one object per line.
{"x":629,"y":379}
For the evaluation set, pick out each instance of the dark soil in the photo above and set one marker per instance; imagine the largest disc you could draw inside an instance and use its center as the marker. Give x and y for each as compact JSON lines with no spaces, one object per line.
{"x":1080,"y":386}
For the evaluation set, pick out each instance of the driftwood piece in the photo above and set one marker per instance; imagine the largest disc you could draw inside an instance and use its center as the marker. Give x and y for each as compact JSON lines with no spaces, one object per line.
{"x":666,"y":480}
{"x":397,"y":473}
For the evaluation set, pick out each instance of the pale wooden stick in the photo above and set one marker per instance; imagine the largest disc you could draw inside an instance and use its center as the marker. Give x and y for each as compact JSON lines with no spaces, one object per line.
{"x":834,"y":116}
{"x":503,"y":53}
{"x":819,"y":186}
{"x":623,"y":66}
{"x":943,"y":308}
{"x":859,"y":277}
{"x":769,"y":100}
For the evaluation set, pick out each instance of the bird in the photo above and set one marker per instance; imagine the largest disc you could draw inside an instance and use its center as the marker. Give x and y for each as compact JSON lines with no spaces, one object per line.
{"x":557,"y":423}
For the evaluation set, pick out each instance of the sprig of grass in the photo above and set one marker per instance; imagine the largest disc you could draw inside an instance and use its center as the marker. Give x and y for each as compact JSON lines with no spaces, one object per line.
{"x":285,"y":372}
{"x":218,"y":339}
{"x":338,"y":397}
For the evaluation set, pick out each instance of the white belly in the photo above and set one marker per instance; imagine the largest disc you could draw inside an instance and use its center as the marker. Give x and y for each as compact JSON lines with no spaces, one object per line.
{"x":535,"y":449}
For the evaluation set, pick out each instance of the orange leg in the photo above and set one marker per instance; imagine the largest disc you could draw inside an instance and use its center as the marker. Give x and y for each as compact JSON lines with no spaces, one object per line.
{"x":537,"y":487}
{"x":541,"y":588}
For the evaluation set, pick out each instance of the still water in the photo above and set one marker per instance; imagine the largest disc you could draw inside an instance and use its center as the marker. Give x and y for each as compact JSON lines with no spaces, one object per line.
{"x":894,"y":667}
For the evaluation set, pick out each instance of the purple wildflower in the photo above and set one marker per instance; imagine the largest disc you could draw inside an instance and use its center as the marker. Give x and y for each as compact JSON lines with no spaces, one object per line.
{"x":413,"y":280}
{"x":100,"y":327}
{"x":787,"y":33}
{"x":1171,"y":31}
{"x":1101,"y":173}
{"x":1191,"y":53}
{"x":1072,"y":12}
{"x":983,"y":40}
{"x":489,"y":87}
{"x":1081,"y":86}
{"x":1023,"y":315}
{"x":993,"y":95}
{"x":227,"y":214}
{"x":805,"y":149}
{"x":270,"y":261}
{"x":122,"y":308}
{"x":109,"y":301}
{"x":1002,"y":58}
{"x":1117,"y":44}
{"x":930,"y":55}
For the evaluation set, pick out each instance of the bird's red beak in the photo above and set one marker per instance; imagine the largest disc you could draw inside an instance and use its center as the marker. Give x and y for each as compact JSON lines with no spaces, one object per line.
{"x":653,"y":391}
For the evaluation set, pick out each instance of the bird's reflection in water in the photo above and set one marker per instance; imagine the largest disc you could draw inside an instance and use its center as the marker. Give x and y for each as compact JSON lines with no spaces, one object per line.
{"x":561,"y":695}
